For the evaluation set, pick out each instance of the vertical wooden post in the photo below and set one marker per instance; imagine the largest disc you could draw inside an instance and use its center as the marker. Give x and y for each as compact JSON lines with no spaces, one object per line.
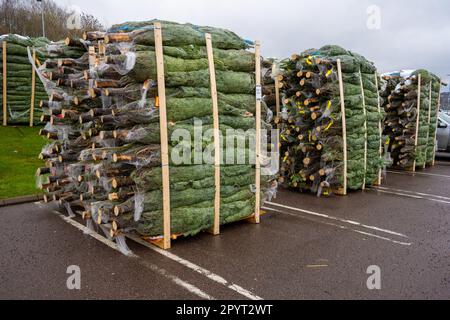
{"x":102,"y":51}
{"x":163,"y":133}
{"x":257,"y":218}
{"x":277,"y":92}
{"x":278,"y":112}
{"x":344,"y":125}
{"x":217,"y":153}
{"x":33,"y":89}
{"x":5,"y":93}
{"x":437,"y":122}
{"x":380,"y":127}
{"x":429,"y":123}
{"x":365,"y":129}
{"x":417,"y":121}
{"x":91,"y":57}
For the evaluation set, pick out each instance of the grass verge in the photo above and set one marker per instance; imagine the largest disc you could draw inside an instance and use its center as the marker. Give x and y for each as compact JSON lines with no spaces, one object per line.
{"x":19,"y":151}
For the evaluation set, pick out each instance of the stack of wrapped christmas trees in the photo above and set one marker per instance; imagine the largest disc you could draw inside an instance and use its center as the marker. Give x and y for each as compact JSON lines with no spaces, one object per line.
{"x":19,"y":71}
{"x":103,"y":117}
{"x":331,"y":131}
{"x":412,"y":104}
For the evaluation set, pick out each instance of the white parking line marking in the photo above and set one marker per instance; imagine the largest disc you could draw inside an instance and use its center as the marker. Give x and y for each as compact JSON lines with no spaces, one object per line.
{"x":410,"y":196}
{"x":210,"y":275}
{"x":189,"y":287}
{"x":339,"y":219}
{"x":413,"y":192}
{"x":344,"y":228}
{"x":419,"y":174}
{"x":89,"y":232}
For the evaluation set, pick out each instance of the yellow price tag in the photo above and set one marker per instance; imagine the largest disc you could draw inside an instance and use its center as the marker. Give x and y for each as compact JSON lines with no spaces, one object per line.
{"x":308,"y":60}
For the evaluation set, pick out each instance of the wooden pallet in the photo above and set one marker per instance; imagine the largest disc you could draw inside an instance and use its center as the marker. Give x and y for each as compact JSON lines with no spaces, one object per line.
{"x":160,"y":241}
{"x":379,"y":182}
{"x":339,"y":191}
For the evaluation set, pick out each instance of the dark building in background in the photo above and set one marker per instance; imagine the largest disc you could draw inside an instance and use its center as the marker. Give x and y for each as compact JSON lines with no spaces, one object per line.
{"x":445,"y":101}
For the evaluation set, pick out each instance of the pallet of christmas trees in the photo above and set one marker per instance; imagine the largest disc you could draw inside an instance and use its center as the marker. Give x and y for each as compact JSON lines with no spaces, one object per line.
{"x":411,"y":103}
{"x":105,"y":160}
{"x":19,"y":74}
{"x":331,"y":121}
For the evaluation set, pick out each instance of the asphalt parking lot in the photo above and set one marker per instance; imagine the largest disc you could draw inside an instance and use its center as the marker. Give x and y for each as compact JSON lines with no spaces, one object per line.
{"x":305,"y":248}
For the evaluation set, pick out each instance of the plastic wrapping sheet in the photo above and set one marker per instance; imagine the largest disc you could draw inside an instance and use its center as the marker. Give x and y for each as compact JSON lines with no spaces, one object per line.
{"x":49,"y":86}
{"x":69,"y":210}
{"x":14,"y":115}
{"x":40,"y":180}
{"x":74,"y":171}
{"x":122,"y":245}
{"x":270,"y":192}
{"x":107,"y":102}
{"x":4,"y":37}
{"x":54,"y":106}
{"x":64,"y":131}
{"x":138,"y":205}
{"x":90,"y":225}
{"x":107,"y":143}
{"x":100,"y":211}
{"x":47,"y":150}
{"x":269,"y":115}
{"x":105,"y":231}
{"x":104,"y":182}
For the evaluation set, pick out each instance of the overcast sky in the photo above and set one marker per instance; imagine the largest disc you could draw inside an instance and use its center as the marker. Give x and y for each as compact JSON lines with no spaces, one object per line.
{"x":413,"y":33}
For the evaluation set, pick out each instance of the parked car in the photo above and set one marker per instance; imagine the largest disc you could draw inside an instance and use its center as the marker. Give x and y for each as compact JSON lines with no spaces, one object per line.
{"x":443,"y":132}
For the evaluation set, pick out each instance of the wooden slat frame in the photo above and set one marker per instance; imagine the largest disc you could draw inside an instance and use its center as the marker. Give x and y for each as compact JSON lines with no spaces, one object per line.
{"x":257,"y":215}
{"x":278,"y":114}
{"x":437,"y":122}
{"x":5,"y":89}
{"x":344,"y":126}
{"x":380,"y":128}
{"x":166,"y":243}
{"x":365,"y":129}
{"x":429,"y":122}
{"x":33,"y":90}
{"x":217,"y":153}
{"x":419,"y":91}
{"x":91,"y":57}
{"x":277,"y":97}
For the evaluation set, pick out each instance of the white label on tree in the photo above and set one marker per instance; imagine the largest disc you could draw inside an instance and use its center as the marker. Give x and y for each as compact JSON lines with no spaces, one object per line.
{"x":259,"y":93}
